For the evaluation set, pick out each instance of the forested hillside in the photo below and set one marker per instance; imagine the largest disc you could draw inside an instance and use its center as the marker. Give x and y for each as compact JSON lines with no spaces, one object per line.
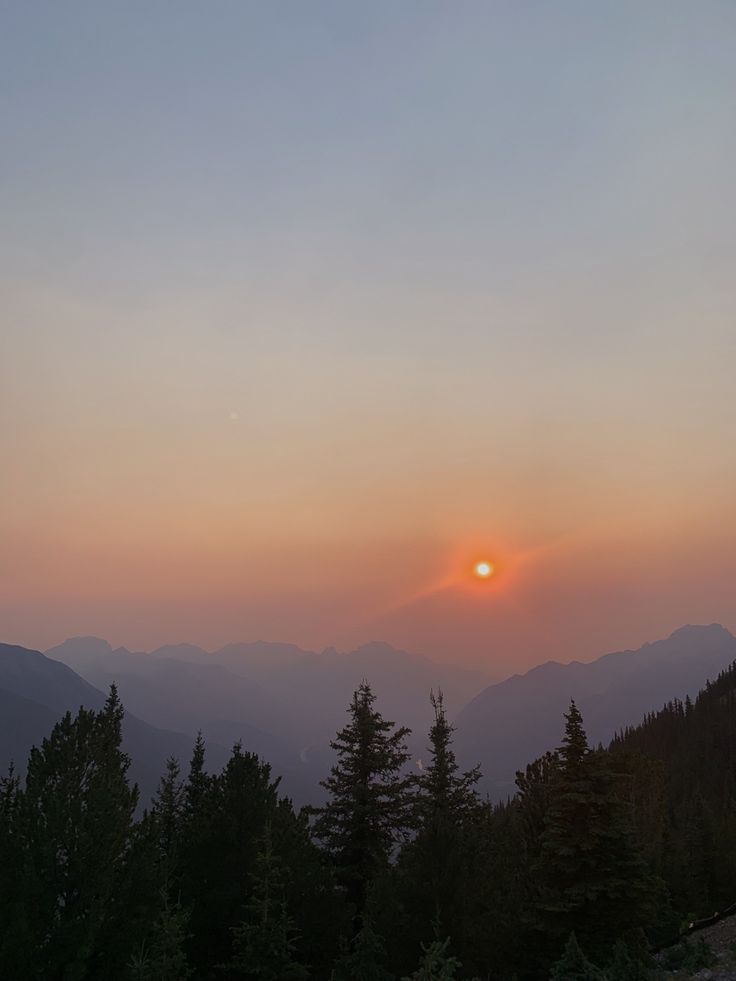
{"x":600,"y":858}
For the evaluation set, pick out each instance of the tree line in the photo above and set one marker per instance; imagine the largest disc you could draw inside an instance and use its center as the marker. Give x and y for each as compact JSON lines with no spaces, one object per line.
{"x":404,"y":874}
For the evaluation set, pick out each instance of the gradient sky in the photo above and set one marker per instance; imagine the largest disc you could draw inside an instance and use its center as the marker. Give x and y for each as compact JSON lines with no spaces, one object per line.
{"x":305,"y":306}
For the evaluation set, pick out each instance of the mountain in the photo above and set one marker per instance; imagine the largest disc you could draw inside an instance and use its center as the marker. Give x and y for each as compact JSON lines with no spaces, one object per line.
{"x":283,"y":702}
{"x":176,"y":693}
{"x":511,"y":723}
{"x":35,"y":691}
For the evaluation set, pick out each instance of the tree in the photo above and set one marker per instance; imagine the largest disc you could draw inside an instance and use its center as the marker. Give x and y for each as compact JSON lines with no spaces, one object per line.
{"x":224,"y":818}
{"x":10,"y":864}
{"x":625,"y":966}
{"x":574,"y":965}
{"x":592,"y":876}
{"x":265,"y":942}
{"x":74,"y":824}
{"x":436,"y":963}
{"x":370,"y":802}
{"x":162,"y":954}
{"x":168,"y":815}
{"x":435,"y":866}
{"x":162,"y":957}
{"x":363,"y":958}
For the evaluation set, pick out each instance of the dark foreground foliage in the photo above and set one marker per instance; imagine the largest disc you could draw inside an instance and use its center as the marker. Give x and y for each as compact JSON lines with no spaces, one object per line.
{"x":599,"y":857}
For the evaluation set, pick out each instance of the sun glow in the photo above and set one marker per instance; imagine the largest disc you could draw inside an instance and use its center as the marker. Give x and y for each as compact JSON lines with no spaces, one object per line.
{"x":483,"y":570}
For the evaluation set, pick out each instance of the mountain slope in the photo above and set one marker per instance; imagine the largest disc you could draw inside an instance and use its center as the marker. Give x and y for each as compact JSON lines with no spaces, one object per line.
{"x":35,"y":691}
{"x":295,"y":697}
{"x":513,"y":722}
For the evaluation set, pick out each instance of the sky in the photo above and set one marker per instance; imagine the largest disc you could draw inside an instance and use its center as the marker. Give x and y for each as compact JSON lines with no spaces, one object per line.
{"x":305,"y":308}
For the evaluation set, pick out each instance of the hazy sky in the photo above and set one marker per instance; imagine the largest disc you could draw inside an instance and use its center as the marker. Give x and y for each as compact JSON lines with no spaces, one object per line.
{"x":306,"y":306}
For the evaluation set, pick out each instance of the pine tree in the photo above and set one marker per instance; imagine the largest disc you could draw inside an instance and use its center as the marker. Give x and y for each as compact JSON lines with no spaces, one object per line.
{"x":158,"y":842}
{"x":224,"y":817}
{"x":162,"y":956}
{"x":168,"y":815}
{"x":435,"y":866}
{"x":363,"y":959}
{"x":574,"y":965}
{"x":625,"y":966}
{"x":593,"y":878}
{"x":370,"y":803}
{"x":436,"y":963}
{"x":10,"y":867}
{"x":74,"y":828}
{"x":264,"y":943}
{"x":198,"y":783}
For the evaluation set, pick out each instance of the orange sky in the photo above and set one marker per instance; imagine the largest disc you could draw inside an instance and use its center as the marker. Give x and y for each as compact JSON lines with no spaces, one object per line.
{"x":290,"y":339}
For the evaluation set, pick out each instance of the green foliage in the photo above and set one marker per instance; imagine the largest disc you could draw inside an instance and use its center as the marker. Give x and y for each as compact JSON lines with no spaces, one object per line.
{"x":363,"y":958}
{"x":436,"y":866}
{"x":574,"y":965}
{"x":688,"y":956}
{"x":265,"y":942}
{"x":591,"y":874}
{"x":72,"y":826}
{"x":222,"y":879}
{"x":436,"y":964}
{"x":370,"y":803}
{"x":625,"y":965}
{"x":161,"y":957}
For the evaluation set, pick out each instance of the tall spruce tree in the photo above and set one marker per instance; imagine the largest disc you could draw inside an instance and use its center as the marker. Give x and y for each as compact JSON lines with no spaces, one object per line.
{"x":168,"y":818}
{"x":370,"y":801}
{"x":592,"y":875}
{"x":10,"y":863}
{"x":436,"y":963}
{"x":74,"y":824}
{"x":224,"y":818}
{"x":574,"y":965}
{"x":435,"y":865}
{"x":162,"y":957}
{"x":264,"y":944}
{"x":157,"y":847}
{"x":363,"y":959}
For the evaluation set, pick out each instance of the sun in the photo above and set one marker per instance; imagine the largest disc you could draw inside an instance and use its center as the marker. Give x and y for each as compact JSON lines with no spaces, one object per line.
{"x":483,"y":570}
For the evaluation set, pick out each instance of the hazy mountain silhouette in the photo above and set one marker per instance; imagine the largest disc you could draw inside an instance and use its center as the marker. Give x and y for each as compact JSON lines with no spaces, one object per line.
{"x":509,"y":724}
{"x":35,"y":691}
{"x":285,"y":703}
{"x":176,"y":693}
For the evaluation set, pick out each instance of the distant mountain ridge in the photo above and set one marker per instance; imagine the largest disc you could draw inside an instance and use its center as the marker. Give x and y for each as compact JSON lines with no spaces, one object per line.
{"x":35,"y":691}
{"x":511,"y":723}
{"x":285,"y":703}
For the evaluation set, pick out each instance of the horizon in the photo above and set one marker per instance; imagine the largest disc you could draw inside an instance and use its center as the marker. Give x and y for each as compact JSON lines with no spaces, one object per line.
{"x":488,"y":678}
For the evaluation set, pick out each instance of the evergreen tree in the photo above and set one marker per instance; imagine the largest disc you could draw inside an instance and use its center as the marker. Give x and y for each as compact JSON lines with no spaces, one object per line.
{"x":625,"y":966}
{"x":198,"y":782}
{"x":10,"y":865}
{"x":574,"y":965}
{"x":435,"y":867}
{"x":224,"y":818}
{"x":168,"y":815}
{"x":162,"y":956}
{"x":363,"y":959}
{"x":436,"y":963}
{"x":74,"y":824}
{"x":592,"y":876}
{"x":265,"y":942}
{"x":370,"y":802}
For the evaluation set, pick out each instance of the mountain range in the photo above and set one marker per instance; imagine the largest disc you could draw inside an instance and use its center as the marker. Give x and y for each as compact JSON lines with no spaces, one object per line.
{"x":285,"y":703}
{"x":35,"y":691}
{"x":511,"y":723}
